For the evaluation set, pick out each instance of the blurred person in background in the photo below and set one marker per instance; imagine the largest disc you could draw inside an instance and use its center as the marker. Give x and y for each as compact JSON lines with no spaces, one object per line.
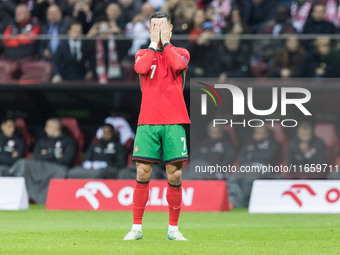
{"x":233,"y":58}
{"x":138,"y":30}
{"x":235,"y":23}
{"x":196,"y":26}
{"x":19,"y":38}
{"x":53,"y":154}
{"x":222,"y":9}
{"x":217,"y":148}
{"x":262,"y":149}
{"x":305,"y":149}
{"x":103,"y":159}
{"x":181,"y":13}
{"x":104,"y":53}
{"x":129,"y":9}
{"x":7,"y":10}
{"x":12,"y":146}
{"x":53,"y":27}
{"x":257,"y":12}
{"x":316,"y":23}
{"x":40,"y":8}
{"x":114,"y":16}
{"x":70,"y":59}
{"x":322,"y":62}
{"x":280,"y":24}
{"x":204,"y":56}
{"x":288,"y":60}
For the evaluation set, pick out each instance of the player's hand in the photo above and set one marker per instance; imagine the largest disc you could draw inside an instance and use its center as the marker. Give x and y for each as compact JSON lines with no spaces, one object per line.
{"x":165,"y":32}
{"x":155,"y":33}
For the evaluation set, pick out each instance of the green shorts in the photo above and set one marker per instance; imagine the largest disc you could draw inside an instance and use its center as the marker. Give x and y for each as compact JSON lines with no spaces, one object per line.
{"x":152,"y":139}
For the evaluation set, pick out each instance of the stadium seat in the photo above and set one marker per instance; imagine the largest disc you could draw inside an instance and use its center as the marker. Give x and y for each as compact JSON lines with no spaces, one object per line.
{"x":7,"y":70}
{"x":72,"y":125}
{"x":36,"y":72}
{"x":23,"y":130}
{"x":327,"y":132}
{"x":258,"y":69}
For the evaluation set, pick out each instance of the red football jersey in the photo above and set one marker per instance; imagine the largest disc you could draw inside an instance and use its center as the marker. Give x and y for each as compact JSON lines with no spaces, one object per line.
{"x":162,"y":78}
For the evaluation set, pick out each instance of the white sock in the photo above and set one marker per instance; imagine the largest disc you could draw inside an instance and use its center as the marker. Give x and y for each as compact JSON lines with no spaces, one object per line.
{"x":172,"y":228}
{"x":137,"y":227}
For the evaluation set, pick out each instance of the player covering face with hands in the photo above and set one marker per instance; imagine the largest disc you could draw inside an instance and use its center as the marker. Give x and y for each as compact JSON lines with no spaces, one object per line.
{"x":162,"y":68}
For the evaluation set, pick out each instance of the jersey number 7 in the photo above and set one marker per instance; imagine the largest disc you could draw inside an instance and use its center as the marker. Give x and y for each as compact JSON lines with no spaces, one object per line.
{"x":153,"y":68}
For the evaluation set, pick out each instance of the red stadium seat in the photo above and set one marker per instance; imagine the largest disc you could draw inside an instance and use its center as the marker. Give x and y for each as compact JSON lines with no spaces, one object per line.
{"x":327,"y":132}
{"x":7,"y":70}
{"x":36,"y":72}
{"x":72,"y":125}
{"x":22,"y":128}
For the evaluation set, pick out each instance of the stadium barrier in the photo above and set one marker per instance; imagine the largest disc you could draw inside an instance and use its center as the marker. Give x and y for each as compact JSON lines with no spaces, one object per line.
{"x":13,"y":193}
{"x":117,"y":195}
{"x":295,"y":196}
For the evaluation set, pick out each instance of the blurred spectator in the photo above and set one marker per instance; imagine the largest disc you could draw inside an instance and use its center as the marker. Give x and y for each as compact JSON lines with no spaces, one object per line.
{"x":54,"y":27}
{"x":257,"y":12}
{"x":105,"y":53}
{"x":222,"y":9}
{"x":129,"y":9}
{"x":70,"y":59}
{"x":299,"y":11}
{"x":234,"y":57}
{"x":261,"y":150}
{"x":157,"y":4}
{"x":85,"y":11}
{"x":103,"y":158}
{"x":323,"y":61}
{"x":181,"y":13}
{"x":7,"y":10}
{"x":305,"y":149}
{"x":281,"y":24}
{"x":316,"y":23}
{"x":12,"y":146}
{"x":196,"y":26}
{"x":203,"y":54}
{"x":122,"y":127}
{"x":114,"y":17}
{"x":53,"y":155}
{"x":40,"y":9}
{"x":288,"y":60}
{"x":22,"y":44}
{"x":235,"y":23}
{"x":138,"y":28}
{"x":216,"y":149}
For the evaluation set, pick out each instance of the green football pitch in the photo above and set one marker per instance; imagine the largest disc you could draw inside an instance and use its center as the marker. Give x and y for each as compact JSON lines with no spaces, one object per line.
{"x":37,"y":231}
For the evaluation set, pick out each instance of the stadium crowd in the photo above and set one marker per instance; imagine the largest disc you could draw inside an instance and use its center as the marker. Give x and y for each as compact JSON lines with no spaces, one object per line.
{"x":103,"y":36}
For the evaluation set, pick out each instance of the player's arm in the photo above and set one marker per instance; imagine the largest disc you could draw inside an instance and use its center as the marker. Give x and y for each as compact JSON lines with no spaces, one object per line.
{"x":178,"y":58}
{"x":144,"y":58}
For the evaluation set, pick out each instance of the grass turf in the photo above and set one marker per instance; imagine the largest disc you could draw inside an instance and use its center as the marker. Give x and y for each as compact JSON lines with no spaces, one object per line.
{"x":37,"y":231}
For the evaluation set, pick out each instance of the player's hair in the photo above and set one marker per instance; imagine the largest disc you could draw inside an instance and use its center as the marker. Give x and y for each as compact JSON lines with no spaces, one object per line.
{"x":159,"y":15}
